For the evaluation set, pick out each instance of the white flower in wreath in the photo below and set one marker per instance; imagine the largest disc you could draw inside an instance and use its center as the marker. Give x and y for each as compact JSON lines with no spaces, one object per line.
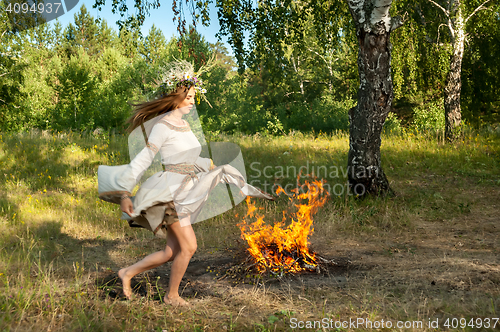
{"x":187,"y":76}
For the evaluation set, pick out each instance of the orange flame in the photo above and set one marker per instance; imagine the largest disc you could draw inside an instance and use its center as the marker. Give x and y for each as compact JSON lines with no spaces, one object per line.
{"x":285,"y":248}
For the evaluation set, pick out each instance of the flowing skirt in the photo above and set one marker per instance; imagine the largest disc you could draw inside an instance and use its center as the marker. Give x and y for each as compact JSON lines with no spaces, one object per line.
{"x":166,"y":197}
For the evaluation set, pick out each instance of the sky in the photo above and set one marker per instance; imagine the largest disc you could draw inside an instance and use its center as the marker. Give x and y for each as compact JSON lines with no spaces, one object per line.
{"x":161,"y":18}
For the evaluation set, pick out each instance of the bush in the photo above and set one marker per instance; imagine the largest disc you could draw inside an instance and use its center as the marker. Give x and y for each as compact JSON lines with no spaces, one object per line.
{"x":323,"y":114}
{"x":429,"y":116}
{"x":392,"y":124}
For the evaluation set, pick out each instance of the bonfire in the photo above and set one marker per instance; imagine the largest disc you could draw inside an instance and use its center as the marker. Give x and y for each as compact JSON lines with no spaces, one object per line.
{"x":284,"y":247}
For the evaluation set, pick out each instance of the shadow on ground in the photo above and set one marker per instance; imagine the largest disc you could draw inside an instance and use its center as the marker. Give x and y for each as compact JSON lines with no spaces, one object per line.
{"x":209,"y":276}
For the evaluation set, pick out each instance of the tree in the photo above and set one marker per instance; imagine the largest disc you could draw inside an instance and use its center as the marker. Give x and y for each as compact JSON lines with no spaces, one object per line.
{"x":419,"y":67}
{"x":130,"y":41}
{"x":86,"y":32}
{"x":26,"y":61}
{"x":373,"y":27}
{"x":221,"y":54}
{"x":154,"y":45}
{"x":457,"y":14}
{"x":194,"y":48}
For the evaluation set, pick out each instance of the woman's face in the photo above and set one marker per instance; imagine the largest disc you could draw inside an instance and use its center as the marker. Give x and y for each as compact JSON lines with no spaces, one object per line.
{"x":187,"y":103}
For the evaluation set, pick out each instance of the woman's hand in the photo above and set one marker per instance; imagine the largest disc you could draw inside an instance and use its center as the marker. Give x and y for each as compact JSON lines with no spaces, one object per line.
{"x":127,"y":206}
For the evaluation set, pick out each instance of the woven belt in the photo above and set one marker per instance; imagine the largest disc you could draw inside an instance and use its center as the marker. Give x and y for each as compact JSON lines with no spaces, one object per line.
{"x":187,"y":169}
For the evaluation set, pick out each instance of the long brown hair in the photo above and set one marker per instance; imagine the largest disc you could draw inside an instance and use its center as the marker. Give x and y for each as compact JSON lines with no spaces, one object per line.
{"x":150,"y":109}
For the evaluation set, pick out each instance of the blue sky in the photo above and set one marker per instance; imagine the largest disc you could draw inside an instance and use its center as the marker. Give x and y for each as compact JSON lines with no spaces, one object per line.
{"x":161,"y":18}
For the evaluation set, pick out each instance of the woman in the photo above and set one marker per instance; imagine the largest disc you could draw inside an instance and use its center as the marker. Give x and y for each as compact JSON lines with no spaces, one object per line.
{"x":179,"y":187}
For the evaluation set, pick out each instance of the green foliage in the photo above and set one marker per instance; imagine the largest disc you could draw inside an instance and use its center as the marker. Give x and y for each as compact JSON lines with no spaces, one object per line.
{"x":481,"y":69}
{"x":325,"y":114}
{"x":429,"y":116}
{"x":130,"y":43}
{"x":193,"y":47}
{"x":423,"y":49}
{"x":119,"y":83}
{"x":238,"y":107}
{"x":419,"y":62}
{"x":298,"y":51}
{"x":86,"y":32}
{"x":25,"y":63}
{"x":154,"y":46}
{"x":236,"y":104}
{"x":392,"y":124}
{"x":76,"y":92}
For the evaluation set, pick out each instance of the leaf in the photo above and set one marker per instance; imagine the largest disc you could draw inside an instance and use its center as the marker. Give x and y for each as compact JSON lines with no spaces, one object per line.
{"x":272,"y":319}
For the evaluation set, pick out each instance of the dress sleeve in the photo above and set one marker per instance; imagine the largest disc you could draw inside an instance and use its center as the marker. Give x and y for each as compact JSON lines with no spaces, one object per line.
{"x":143,"y":159}
{"x":114,"y":181}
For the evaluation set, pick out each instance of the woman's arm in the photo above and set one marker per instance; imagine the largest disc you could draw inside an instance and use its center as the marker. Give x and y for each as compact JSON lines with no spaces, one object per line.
{"x":117,"y":182}
{"x":143,"y":159}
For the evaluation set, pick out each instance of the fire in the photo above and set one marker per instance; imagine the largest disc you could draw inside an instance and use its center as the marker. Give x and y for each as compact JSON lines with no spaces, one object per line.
{"x":282,"y":248}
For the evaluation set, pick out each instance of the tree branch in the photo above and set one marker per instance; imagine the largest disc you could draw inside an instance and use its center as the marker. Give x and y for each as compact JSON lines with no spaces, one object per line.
{"x":329,"y":64}
{"x":481,"y":7}
{"x":437,"y":41}
{"x":452,"y":31}
{"x":447,"y":13}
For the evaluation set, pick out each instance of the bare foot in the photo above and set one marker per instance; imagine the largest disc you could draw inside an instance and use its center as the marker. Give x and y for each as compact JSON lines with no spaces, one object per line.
{"x":127,"y":290}
{"x":176,"y":301}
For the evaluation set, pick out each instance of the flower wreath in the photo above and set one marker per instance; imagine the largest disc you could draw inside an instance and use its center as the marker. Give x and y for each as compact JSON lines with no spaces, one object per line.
{"x":181,"y":73}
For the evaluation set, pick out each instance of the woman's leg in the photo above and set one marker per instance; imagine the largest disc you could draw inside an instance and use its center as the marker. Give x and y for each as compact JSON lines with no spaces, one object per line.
{"x":149,"y":262}
{"x":187,"y":244}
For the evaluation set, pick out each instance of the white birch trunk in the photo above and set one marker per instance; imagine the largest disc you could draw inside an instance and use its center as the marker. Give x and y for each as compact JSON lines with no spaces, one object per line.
{"x":373,"y":25}
{"x":453,"y":113}
{"x":296,"y":67}
{"x":455,"y":22}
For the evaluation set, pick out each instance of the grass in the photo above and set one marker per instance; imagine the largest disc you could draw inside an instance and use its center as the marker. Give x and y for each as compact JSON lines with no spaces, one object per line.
{"x":431,"y":252}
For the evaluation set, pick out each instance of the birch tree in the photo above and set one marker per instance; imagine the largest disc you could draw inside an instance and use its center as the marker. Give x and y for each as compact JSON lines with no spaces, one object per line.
{"x":373,"y":27}
{"x":456,"y":17}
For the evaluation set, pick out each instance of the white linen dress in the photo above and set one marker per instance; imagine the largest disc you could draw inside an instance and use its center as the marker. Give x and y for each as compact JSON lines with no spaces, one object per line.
{"x":185,"y":183}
